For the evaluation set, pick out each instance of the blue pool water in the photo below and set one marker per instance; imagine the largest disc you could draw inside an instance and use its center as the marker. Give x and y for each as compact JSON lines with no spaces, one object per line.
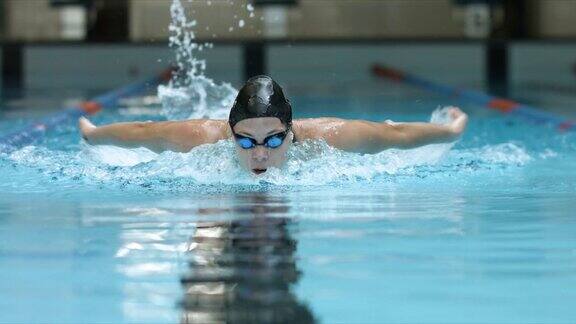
{"x":480,"y":232}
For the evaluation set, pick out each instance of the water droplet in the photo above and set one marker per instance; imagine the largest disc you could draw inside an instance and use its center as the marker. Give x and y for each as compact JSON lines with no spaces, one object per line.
{"x":230,"y":29}
{"x":241,"y":23}
{"x":250,"y":7}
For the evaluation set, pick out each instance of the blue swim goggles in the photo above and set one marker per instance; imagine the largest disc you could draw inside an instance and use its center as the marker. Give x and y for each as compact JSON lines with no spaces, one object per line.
{"x":272,"y":141}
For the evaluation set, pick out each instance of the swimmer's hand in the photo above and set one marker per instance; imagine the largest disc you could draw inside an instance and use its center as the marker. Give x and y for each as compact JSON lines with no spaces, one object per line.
{"x":86,"y":128}
{"x":459,"y":121}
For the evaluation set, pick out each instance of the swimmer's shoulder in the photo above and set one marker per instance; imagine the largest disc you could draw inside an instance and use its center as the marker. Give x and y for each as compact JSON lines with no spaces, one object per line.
{"x":212,"y":130}
{"x":187,"y":134}
{"x":314,"y":128}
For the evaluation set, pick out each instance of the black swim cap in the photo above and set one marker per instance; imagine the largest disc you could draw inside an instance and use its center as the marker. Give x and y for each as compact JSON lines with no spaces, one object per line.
{"x":261,"y":97}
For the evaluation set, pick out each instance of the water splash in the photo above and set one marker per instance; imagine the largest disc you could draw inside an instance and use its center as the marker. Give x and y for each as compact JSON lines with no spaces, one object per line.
{"x":311,"y":163}
{"x":250,"y":9}
{"x":202,"y":98}
{"x":182,"y":41}
{"x":191,"y":94}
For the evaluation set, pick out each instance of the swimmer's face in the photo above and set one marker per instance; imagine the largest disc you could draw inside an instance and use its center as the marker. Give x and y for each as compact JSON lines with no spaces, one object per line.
{"x":260,"y":158}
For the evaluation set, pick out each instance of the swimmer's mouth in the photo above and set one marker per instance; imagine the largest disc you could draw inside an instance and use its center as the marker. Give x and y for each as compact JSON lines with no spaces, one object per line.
{"x":259,"y":171}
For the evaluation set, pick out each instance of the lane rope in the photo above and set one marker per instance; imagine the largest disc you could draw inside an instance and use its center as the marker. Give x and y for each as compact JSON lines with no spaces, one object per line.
{"x":38,"y":128}
{"x":503,"y":105}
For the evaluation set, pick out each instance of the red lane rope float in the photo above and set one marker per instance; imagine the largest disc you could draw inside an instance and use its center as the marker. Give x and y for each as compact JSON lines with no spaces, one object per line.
{"x":166,"y":75}
{"x":566,"y":126}
{"x":388,"y":73}
{"x":90,"y":107}
{"x":37,"y":129}
{"x":503,"y":105}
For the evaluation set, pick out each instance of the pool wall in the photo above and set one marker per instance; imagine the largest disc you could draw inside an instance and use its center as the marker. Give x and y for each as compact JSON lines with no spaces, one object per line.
{"x":105,"y":66}
{"x":96,"y":66}
{"x":351,"y":63}
{"x":1,"y":79}
{"x":552,"y":62}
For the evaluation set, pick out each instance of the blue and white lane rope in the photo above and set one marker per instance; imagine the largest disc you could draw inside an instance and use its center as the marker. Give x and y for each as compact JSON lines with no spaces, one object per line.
{"x":503,"y":105}
{"x":38,"y":128}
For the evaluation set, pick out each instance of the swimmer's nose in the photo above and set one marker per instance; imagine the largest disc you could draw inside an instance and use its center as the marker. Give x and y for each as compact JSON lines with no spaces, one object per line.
{"x":260,"y":154}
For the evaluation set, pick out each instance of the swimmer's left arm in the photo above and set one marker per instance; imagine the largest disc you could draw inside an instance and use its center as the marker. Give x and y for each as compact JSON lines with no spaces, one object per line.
{"x":371,"y":137}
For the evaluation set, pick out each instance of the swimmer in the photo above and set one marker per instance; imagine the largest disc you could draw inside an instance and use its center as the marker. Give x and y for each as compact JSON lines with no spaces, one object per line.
{"x":261,"y":125}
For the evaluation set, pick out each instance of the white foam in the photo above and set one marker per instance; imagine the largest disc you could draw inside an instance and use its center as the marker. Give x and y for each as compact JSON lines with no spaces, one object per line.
{"x":190,"y":94}
{"x":311,"y":163}
{"x":117,"y":156}
{"x":202,"y":98}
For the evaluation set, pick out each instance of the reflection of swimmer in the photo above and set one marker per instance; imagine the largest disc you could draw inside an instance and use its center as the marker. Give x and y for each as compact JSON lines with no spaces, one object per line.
{"x":261,"y":123}
{"x":242,"y":271}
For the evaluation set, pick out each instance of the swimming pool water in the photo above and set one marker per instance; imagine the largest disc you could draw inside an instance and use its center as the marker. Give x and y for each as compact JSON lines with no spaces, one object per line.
{"x":484,"y":234}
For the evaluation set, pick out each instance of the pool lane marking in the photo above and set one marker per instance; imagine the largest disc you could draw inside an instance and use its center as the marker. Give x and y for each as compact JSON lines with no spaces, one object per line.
{"x":503,"y":105}
{"x":38,"y":128}
{"x":90,"y":107}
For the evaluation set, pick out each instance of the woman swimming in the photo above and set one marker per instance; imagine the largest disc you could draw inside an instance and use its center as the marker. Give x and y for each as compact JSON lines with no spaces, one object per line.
{"x":261,"y":123}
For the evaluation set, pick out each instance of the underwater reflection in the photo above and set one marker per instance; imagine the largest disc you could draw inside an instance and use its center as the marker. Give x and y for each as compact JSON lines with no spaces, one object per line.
{"x":243,"y":270}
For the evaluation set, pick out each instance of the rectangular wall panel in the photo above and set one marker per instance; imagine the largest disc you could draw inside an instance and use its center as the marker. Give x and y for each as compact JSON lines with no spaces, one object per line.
{"x":543,"y":62}
{"x":110,"y":66}
{"x":457,"y":64}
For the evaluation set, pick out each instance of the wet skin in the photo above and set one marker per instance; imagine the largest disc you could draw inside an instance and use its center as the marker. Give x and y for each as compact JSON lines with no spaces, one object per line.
{"x":359,"y":136}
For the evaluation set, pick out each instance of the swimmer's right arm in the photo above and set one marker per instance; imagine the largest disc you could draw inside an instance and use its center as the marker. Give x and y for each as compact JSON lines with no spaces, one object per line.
{"x":177,"y":136}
